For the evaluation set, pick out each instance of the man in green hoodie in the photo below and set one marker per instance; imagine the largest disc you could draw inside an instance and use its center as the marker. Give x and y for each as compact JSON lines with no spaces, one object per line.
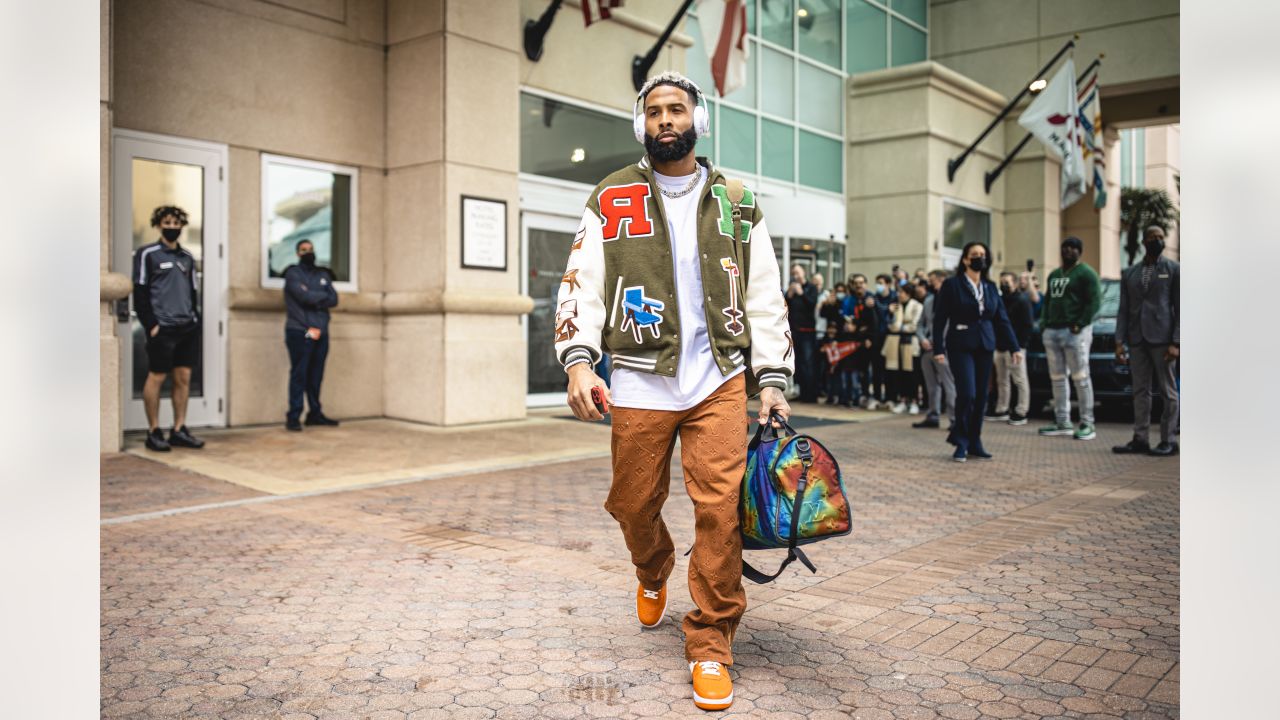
{"x":1066,"y":322}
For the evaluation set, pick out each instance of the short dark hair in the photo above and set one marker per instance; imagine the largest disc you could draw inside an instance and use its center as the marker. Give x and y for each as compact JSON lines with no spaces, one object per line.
{"x":1007,"y":273}
{"x":165,"y":211}
{"x":676,"y":82}
{"x":884,"y":276}
{"x":298,"y":245}
{"x":855,"y":276}
{"x":939,"y":273}
{"x":1073,"y":241}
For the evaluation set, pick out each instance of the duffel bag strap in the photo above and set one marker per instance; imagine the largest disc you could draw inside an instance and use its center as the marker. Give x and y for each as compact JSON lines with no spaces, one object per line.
{"x":793,"y":552}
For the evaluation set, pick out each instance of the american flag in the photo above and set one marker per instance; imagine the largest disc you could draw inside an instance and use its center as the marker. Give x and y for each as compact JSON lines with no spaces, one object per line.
{"x":724,"y":34}
{"x":593,"y":10}
{"x":1095,"y":161}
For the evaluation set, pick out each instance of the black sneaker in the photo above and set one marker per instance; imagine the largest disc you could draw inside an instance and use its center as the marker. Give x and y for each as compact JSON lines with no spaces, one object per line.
{"x":998,"y":417}
{"x":959,"y":455}
{"x":1016,"y":419}
{"x":292,"y":425}
{"x":1133,"y":447}
{"x":181,"y":437}
{"x":927,"y":423}
{"x":156,"y":441}
{"x":320,"y":419}
{"x":980,"y":454}
{"x":1164,"y":449}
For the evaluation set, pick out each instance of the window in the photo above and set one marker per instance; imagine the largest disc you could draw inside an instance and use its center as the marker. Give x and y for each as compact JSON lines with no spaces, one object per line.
{"x":1133,"y":158}
{"x":962,"y":225}
{"x":909,"y":44}
{"x":825,"y":257}
{"x":778,"y":150}
{"x":823,"y":94}
{"x":778,"y":82}
{"x":737,"y":139}
{"x":914,"y":10}
{"x":868,"y":37}
{"x":776,"y":21}
{"x":821,"y":162}
{"x":818,"y":28}
{"x":314,"y":201}
{"x":572,"y":143}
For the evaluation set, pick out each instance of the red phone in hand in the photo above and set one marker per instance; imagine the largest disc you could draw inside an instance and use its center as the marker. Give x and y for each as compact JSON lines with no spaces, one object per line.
{"x":597,"y":397}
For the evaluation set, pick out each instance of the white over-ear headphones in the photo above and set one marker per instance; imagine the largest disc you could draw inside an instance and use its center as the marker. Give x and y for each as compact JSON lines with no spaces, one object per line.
{"x":701,"y":118}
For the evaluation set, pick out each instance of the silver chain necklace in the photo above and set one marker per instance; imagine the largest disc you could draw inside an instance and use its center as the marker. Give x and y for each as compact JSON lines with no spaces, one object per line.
{"x":693,"y":182}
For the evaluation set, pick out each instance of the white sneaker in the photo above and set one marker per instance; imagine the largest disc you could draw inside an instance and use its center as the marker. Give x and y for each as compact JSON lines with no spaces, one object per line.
{"x":872,"y":405}
{"x":914,"y":409}
{"x":897,"y":408}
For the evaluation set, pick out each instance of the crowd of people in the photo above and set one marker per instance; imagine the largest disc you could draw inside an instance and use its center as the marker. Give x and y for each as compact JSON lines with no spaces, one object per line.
{"x":880,"y":347}
{"x":871,"y":346}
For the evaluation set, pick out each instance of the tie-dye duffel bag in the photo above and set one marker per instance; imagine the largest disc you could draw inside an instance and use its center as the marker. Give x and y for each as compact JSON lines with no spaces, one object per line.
{"x":792,"y":495}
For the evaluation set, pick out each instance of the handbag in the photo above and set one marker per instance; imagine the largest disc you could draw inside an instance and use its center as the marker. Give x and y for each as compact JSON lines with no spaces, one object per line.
{"x":792,"y":495}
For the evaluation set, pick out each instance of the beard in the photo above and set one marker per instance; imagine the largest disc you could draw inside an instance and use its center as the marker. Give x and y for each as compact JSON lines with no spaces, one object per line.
{"x":683,"y":145}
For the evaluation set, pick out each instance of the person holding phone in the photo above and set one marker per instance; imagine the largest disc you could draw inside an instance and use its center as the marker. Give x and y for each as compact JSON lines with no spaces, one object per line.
{"x":308,"y":295}
{"x":968,"y":318}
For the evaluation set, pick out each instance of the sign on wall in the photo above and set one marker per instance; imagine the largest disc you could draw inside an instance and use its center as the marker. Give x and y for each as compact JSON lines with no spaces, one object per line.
{"x":484,"y":233}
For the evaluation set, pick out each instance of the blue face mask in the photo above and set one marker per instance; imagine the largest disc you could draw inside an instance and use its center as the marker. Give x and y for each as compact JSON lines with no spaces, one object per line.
{"x":881,"y":289}
{"x":841,"y":296}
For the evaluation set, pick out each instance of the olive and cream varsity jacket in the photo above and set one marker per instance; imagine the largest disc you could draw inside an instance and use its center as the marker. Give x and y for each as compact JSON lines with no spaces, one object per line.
{"x":618,"y":292}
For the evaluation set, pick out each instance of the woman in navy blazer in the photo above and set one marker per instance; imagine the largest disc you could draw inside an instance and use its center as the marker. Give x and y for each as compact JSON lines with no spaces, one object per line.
{"x":969,"y":323}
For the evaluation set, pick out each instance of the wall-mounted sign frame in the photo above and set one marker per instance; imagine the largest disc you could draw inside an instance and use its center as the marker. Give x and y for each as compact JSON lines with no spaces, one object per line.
{"x":484,"y":233}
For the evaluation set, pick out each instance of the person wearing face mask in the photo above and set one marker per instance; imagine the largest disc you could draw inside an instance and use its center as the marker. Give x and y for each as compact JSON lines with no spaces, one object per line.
{"x":940,"y":388}
{"x":308,"y":295}
{"x":969,"y":322}
{"x":1066,"y":321}
{"x":1018,"y":306}
{"x":1148,"y":322}
{"x":165,"y":299}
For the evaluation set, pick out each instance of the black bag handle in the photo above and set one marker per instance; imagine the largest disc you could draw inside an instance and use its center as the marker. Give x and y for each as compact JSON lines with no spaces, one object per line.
{"x":793,"y":552}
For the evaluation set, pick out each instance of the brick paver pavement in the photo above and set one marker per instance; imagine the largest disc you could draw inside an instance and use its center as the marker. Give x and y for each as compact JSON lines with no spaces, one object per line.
{"x":1044,"y":584}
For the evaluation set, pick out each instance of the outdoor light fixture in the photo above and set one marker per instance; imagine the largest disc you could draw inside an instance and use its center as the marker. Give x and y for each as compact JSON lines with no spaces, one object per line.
{"x":1038,"y":85}
{"x":578,"y":155}
{"x":803,"y":12}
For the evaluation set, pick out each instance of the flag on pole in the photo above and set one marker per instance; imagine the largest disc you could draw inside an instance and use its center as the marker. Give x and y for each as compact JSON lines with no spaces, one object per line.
{"x":1054,"y":118}
{"x":593,"y":10}
{"x":1095,"y":160}
{"x":724,"y":35}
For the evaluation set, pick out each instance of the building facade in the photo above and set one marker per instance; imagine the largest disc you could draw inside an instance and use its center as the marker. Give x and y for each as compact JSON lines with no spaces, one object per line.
{"x":441,"y":172}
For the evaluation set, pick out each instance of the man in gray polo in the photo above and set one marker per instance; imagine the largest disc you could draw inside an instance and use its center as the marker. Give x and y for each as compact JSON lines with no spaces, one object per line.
{"x":1149,"y":324}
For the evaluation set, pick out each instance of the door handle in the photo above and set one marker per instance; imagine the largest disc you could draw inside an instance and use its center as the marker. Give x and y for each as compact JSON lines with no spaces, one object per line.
{"x":122,"y":310}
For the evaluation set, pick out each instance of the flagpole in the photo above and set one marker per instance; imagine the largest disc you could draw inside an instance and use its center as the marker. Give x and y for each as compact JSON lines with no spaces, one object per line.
{"x":535,"y":32}
{"x":640,"y":65}
{"x":954,"y":163}
{"x":989,"y":179}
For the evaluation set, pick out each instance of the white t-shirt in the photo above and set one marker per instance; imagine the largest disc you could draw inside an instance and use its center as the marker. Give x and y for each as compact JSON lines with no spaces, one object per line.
{"x":697,"y":373}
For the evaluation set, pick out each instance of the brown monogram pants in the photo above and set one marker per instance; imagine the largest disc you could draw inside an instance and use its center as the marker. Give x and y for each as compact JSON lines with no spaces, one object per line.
{"x":713,"y":441}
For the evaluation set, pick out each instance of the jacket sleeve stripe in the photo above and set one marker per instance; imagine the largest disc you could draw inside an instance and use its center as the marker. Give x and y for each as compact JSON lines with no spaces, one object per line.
{"x":766,"y":310}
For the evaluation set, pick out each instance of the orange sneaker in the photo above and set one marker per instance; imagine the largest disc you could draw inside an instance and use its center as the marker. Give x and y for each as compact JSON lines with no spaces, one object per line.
{"x":712,"y":687}
{"x":651,"y":606}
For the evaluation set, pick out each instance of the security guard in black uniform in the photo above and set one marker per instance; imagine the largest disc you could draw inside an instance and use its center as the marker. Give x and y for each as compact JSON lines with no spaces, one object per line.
{"x":165,"y":298}
{"x":308,"y":295}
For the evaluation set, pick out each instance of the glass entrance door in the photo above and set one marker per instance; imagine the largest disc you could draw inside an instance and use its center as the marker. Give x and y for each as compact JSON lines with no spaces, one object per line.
{"x":149,"y":171}
{"x":545,"y":242}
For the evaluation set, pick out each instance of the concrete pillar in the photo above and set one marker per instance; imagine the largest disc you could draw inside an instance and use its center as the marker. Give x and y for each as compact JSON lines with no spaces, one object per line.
{"x":111,"y":419}
{"x":454,"y":350}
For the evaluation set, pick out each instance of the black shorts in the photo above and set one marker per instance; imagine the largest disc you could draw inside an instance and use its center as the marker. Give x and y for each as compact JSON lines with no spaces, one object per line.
{"x":173,"y":347}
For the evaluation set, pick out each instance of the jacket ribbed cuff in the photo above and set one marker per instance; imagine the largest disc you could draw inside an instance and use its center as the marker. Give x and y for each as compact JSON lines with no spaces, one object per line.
{"x":773,"y":379}
{"x":576,"y":356}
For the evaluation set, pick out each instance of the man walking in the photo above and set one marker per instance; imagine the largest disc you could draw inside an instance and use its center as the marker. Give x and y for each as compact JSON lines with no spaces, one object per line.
{"x":308,"y":295}
{"x":1018,"y":306}
{"x":165,"y":299}
{"x":1149,"y":322}
{"x":802,"y":301}
{"x":940,"y":387}
{"x":684,"y":293}
{"x":1073,"y":298}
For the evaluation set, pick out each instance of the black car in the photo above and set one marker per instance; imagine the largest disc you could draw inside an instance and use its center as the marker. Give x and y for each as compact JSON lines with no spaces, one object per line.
{"x":1112,"y":386}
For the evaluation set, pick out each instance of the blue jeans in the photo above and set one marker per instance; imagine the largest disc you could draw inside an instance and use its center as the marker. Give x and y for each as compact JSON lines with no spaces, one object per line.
{"x":1069,"y":353}
{"x":306,"y":370}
